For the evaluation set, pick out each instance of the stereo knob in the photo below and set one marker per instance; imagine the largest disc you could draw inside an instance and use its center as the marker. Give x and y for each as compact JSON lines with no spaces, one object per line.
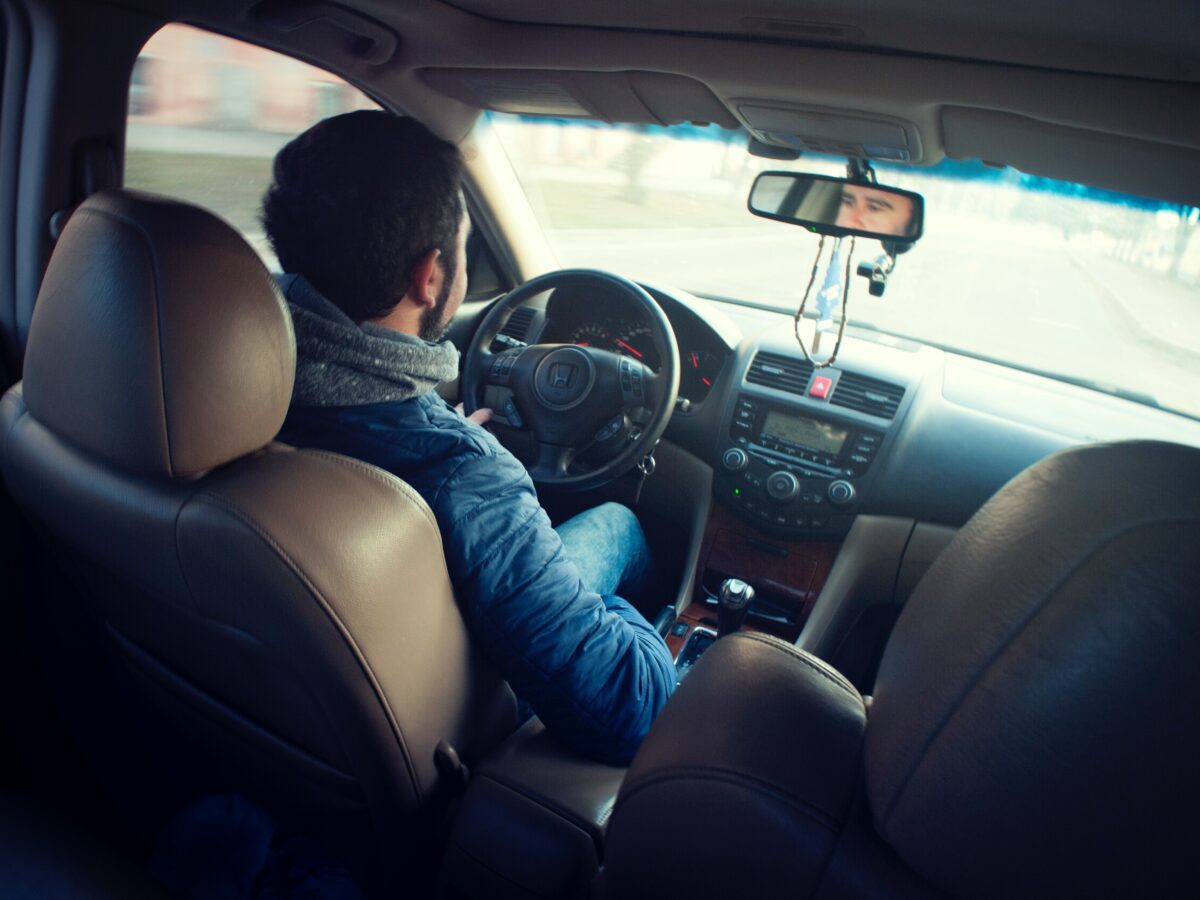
{"x":734,"y":459}
{"x":782,"y":486}
{"x":841,"y":492}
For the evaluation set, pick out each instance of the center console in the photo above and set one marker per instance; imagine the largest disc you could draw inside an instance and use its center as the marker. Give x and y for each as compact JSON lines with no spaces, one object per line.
{"x":786,"y":578}
{"x":797,"y":452}
{"x":793,"y":471}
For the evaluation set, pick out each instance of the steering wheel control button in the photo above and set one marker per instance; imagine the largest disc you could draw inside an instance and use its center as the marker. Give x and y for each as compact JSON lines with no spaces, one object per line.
{"x":564,"y":378}
{"x":841,"y":492}
{"x":735,"y":459}
{"x":631,"y":383}
{"x":510,"y":412}
{"x":820,"y":387}
{"x":782,"y":486}
{"x":502,"y":367}
{"x":611,"y":429}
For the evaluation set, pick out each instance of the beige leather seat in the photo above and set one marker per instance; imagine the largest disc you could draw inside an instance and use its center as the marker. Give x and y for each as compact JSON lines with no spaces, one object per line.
{"x":1034,"y":730}
{"x":289,"y":609}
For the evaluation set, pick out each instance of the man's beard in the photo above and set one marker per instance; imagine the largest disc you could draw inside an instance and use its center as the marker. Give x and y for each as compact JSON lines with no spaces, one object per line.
{"x":431,"y":326}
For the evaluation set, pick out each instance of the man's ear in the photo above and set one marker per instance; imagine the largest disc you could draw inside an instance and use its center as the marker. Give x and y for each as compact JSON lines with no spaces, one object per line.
{"x":426,"y":282}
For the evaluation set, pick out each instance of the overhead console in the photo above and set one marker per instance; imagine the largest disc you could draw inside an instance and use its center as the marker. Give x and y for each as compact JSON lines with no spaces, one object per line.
{"x":835,"y":131}
{"x":799,"y":445}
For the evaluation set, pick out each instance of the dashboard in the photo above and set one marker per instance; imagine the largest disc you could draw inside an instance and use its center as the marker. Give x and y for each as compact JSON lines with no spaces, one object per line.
{"x":894,"y":428}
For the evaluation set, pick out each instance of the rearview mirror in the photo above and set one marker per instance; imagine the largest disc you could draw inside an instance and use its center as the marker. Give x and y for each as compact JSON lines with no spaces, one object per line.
{"x":838,"y":206}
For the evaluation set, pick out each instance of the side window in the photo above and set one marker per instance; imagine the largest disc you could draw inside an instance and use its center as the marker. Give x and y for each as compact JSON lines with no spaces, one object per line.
{"x":207,"y":115}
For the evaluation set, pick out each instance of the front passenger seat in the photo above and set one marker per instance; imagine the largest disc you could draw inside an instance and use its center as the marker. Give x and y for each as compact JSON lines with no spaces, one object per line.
{"x":1034,"y":732}
{"x":290,"y":610}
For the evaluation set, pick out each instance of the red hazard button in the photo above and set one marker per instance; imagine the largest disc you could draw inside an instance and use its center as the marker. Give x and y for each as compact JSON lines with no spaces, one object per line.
{"x":820,"y":387}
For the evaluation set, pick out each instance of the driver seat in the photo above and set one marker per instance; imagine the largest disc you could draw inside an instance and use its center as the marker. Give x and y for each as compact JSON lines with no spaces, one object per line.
{"x":290,"y":611}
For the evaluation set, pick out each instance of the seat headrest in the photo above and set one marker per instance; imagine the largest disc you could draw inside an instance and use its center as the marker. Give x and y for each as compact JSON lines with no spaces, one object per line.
{"x":159,"y":342}
{"x":1034,"y":728}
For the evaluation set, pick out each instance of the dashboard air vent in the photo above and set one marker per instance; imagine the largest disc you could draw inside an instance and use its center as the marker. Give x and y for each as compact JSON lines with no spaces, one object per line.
{"x":784,"y":373}
{"x":514,"y":330}
{"x":869,"y":395}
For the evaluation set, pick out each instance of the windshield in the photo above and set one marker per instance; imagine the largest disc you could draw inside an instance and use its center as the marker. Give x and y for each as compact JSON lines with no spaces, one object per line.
{"x":1087,"y":285}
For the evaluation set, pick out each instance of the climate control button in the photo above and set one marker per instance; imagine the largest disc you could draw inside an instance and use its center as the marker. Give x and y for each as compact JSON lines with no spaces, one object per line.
{"x":734,"y":459}
{"x":841,"y":492}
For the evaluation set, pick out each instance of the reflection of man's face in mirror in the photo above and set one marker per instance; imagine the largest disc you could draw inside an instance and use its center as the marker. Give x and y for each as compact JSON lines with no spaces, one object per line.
{"x":870,"y":209}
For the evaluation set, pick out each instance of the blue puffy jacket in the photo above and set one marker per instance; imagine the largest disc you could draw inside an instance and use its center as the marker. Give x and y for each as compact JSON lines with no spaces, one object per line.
{"x":592,"y":668}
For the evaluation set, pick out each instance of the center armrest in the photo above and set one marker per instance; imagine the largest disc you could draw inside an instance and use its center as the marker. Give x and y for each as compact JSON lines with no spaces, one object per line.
{"x":535,"y":765}
{"x":532,"y":821}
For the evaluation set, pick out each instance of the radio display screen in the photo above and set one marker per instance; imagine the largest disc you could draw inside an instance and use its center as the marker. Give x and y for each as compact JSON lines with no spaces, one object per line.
{"x":805,"y":432}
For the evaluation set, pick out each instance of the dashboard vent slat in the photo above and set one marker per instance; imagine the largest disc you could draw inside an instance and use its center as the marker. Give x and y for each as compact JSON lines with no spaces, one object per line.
{"x":515,"y":329}
{"x":868,"y":395}
{"x":517,"y":325}
{"x":784,"y":373}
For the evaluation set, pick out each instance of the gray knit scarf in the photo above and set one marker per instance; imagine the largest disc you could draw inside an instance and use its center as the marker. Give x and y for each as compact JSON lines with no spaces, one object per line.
{"x":339,"y":363}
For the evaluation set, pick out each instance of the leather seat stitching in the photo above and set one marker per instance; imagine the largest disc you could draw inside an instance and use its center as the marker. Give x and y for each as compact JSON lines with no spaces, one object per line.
{"x":382,"y":477}
{"x":800,"y":656}
{"x":254,"y":526}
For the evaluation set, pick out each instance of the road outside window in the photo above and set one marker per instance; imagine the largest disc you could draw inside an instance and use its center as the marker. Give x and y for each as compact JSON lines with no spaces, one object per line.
{"x":207,"y":115}
{"x":1087,"y":285}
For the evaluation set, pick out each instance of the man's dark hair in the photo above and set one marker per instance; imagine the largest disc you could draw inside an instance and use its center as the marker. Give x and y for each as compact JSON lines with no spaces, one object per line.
{"x":357,"y":200}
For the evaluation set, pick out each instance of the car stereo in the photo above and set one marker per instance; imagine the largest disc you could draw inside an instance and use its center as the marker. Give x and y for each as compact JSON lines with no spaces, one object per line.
{"x":788,"y":470}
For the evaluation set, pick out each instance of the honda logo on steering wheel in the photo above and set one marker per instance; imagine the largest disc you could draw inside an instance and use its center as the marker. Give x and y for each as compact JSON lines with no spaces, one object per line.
{"x":561,"y":375}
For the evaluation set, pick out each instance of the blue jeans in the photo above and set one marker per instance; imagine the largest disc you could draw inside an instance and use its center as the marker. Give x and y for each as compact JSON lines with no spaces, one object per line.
{"x":607,"y":545}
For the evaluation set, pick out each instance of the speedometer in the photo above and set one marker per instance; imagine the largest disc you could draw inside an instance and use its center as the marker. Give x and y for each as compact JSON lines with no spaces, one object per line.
{"x":636,"y":339}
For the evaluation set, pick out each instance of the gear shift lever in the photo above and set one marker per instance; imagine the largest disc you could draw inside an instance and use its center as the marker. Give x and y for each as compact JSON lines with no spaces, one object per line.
{"x":735,"y":597}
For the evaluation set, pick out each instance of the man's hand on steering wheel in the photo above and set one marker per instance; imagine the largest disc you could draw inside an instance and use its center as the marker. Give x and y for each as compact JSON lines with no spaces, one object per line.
{"x":481,"y":416}
{"x":570,"y":397}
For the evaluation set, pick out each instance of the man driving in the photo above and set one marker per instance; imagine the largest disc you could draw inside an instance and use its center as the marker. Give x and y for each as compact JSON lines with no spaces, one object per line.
{"x":366,"y":215}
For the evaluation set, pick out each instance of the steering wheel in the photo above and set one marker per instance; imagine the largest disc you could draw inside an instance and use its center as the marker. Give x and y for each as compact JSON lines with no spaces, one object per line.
{"x":572,"y":398}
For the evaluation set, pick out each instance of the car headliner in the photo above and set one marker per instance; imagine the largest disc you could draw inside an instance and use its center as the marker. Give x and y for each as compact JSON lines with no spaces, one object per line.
{"x":1100,"y":93}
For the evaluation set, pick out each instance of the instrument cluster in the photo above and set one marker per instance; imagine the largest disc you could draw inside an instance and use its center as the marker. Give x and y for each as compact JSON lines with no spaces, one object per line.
{"x":631,"y":336}
{"x":609,"y":321}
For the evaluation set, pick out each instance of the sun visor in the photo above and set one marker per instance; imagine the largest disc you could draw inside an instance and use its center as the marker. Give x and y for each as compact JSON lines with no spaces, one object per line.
{"x":841,"y":133}
{"x":1127,"y":165}
{"x":634,"y":97}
